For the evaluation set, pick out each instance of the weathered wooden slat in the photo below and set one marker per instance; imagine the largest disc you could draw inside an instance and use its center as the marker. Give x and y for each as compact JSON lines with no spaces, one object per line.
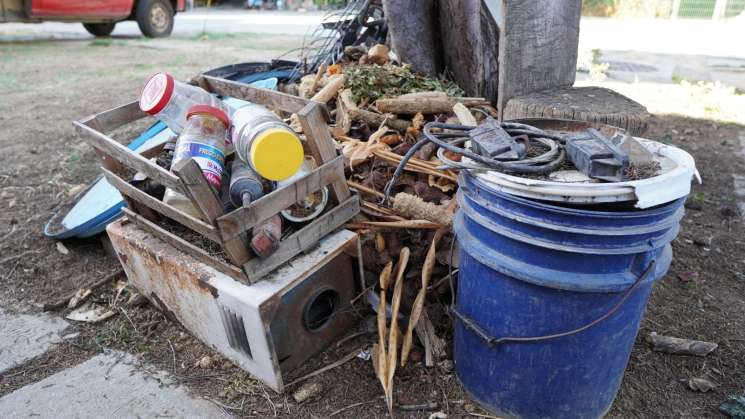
{"x":125,"y":188}
{"x":304,"y":239}
{"x":186,"y":247}
{"x":119,"y":116}
{"x":125,"y":156}
{"x":322,"y":146}
{"x":243,"y":219}
{"x":204,"y":198}
{"x":279,"y":100}
{"x":153,"y":151}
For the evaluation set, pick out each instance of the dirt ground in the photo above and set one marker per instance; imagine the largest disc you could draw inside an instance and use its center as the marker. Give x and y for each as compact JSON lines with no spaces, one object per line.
{"x":46,"y":85}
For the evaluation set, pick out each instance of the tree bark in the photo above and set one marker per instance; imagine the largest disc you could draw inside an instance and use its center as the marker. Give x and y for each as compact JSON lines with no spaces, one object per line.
{"x":470,"y":39}
{"x":414,"y":34}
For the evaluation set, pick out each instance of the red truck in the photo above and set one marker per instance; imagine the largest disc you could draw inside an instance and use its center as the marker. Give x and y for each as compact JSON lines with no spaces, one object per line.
{"x":154,"y":17}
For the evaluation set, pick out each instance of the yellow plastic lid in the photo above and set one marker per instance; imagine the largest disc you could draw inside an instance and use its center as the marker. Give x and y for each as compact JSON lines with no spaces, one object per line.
{"x":276,"y":154}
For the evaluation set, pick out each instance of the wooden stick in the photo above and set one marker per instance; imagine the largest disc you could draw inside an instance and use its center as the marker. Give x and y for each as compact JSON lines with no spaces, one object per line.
{"x":678,"y":346}
{"x":374,"y":120}
{"x":416,"y":165}
{"x":317,"y":78}
{"x":364,"y":189}
{"x":465,"y":117}
{"x":319,"y":371}
{"x":62,"y":302}
{"x":412,"y":224}
{"x":425,"y":105}
{"x":329,"y":91}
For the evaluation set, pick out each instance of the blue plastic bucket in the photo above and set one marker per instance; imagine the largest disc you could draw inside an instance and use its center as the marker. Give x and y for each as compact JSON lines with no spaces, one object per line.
{"x":530,"y":270}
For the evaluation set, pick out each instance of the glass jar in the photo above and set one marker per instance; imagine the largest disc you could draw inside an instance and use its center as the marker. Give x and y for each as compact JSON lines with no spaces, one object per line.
{"x":265,"y":143}
{"x":203,"y":139}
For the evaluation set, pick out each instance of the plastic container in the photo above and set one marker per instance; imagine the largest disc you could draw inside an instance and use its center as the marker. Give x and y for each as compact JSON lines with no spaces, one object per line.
{"x":169,"y":100}
{"x":312,"y":205}
{"x":203,"y":140}
{"x":266,"y":143}
{"x":529,"y":270}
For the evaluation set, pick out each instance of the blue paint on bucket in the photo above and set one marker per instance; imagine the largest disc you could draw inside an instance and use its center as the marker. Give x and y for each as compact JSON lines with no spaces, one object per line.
{"x":531,"y":269}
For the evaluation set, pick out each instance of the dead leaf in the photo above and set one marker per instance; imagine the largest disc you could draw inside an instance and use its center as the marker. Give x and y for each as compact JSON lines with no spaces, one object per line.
{"x":79,"y":296}
{"x":359,"y":151}
{"x":701,"y":384}
{"x":416,"y":310}
{"x":62,"y":249}
{"x":688,"y":276}
{"x":334,"y":69}
{"x":90,"y":313}
{"x":391,"y":139}
{"x":418,"y":121}
{"x":441,"y":183}
{"x":204,"y":362}
{"x":403,"y":261}
{"x":74,"y":190}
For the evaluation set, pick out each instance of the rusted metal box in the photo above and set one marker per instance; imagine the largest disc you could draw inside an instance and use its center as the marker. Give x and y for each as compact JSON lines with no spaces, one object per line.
{"x":267,"y":328}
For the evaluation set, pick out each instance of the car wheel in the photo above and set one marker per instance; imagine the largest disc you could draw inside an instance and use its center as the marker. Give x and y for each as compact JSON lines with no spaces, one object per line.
{"x":155,"y":18}
{"x":100,"y":29}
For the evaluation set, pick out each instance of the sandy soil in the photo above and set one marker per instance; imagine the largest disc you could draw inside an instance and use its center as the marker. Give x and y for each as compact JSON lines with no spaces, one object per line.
{"x":46,"y":85}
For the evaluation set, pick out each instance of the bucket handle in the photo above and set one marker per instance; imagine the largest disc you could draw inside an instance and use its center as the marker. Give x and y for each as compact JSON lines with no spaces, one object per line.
{"x":492,"y":341}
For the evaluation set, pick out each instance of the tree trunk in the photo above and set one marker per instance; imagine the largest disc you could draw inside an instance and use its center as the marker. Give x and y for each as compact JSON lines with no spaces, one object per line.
{"x":470,"y":39}
{"x":414,"y":34}
{"x":538,"y":48}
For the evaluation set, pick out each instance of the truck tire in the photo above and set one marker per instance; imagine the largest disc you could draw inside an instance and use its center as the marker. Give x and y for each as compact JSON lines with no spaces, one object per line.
{"x":155,"y":18}
{"x":100,"y":29}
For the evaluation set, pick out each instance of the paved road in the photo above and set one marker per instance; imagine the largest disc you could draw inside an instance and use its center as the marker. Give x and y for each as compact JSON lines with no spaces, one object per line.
{"x":187,"y":24}
{"x":663,"y":36}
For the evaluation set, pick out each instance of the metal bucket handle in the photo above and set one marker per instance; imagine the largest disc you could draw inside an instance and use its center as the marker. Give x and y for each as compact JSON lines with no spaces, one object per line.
{"x":492,"y":341}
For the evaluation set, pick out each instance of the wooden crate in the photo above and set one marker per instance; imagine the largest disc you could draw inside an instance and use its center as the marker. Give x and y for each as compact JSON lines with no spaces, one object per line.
{"x":228,"y":230}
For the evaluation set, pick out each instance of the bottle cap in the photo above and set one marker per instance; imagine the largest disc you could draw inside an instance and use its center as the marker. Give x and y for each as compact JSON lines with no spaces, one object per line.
{"x":276,"y":154}
{"x":156,"y":93}
{"x":209,"y":110}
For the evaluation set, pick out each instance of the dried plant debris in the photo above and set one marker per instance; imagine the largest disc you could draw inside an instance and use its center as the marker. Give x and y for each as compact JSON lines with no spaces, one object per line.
{"x":639,"y":171}
{"x":370,"y":82}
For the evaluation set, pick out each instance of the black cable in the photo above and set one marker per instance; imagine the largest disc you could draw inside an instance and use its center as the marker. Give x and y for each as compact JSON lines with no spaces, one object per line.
{"x":512,"y":128}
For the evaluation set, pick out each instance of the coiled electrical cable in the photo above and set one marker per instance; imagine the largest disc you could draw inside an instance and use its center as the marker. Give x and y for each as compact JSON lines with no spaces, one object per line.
{"x":545,"y":163}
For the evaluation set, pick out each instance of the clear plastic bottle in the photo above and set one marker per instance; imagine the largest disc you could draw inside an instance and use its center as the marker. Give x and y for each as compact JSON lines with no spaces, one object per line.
{"x":169,"y":100}
{"x":266,"y":143}
{"x":203,"y":139}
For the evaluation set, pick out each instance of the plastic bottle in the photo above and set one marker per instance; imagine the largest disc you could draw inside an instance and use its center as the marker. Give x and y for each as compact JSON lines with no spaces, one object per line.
{"x":245,"y":184}
{"x":203,"y":139}
{"x":267,"y":144}
{"x":169,"y":100}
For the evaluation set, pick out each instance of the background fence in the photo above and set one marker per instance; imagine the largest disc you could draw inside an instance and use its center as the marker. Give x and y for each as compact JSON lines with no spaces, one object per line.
{"x":692,"y":9}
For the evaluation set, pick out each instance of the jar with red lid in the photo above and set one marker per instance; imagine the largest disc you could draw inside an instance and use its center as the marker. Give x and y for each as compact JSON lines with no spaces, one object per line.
{"x":203,"y":139}
{"x":169,"y":100}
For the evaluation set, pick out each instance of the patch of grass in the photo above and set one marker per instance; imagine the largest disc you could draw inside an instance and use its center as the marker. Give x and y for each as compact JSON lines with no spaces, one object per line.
{"x":243,"y":385}
{"x":214,"y":36}
{"x":118,"y":333}
{"x":101,"y":42}
{"x":73,"y":160}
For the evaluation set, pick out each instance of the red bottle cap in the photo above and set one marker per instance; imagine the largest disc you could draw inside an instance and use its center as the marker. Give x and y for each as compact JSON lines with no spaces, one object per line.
{"x":156,"y":93}
{"x":210,"y":110}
